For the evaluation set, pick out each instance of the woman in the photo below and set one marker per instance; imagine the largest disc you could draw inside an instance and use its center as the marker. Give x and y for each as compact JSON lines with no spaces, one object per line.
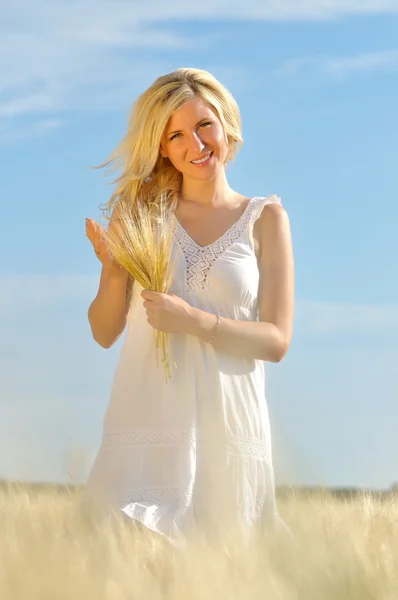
{"x":195,"y":452}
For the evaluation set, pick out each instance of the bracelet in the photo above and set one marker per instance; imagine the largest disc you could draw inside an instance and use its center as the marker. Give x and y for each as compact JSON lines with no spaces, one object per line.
{"x":214,"y":332}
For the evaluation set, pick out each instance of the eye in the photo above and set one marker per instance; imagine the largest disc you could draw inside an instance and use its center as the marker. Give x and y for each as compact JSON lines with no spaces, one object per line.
{"x":206,"y":123}
{"x":174,"y":136}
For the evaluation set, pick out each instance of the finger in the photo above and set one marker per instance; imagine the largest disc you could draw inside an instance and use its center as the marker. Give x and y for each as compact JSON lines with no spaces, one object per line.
{"x":97,"y":238}
{"x":100,"y":229}
{"x":89,"y":230}
{"x":98,"y":247}
{"x":102,"y":244}
{"x":91,"y":237}
{"x":149,"y":295}
{"x":151,"y":322}
{"x":101,"y":233}
{"x":102,"y":239}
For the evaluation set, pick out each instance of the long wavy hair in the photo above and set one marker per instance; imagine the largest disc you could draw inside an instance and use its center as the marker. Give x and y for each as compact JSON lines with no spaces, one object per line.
{"x":145,"y":174}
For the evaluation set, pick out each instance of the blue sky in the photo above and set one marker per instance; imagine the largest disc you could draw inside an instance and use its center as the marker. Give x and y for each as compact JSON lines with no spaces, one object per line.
{"x":317,"y":84}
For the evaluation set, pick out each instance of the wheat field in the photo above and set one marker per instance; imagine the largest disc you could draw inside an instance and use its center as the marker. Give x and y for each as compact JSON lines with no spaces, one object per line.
{"x":51,"y":550}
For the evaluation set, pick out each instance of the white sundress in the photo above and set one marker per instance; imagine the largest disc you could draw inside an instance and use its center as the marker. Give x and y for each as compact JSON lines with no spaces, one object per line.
{"x":195,"y":451}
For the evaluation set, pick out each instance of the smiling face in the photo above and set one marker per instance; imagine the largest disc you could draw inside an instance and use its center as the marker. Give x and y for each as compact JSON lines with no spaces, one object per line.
{"x":194,"y":141}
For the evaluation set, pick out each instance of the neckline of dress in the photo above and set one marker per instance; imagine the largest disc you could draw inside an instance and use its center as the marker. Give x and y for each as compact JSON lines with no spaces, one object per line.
{"x":184,"y":231}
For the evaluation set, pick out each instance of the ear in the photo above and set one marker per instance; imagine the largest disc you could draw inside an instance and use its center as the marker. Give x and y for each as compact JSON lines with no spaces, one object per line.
{"x":162,"y":151}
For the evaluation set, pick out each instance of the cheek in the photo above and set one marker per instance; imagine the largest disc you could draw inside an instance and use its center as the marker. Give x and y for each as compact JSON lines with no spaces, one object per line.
{"x":175,"y":154}
{"x":177,"y":159}
{"x":219,"y":137}
{"x":220,"y":140}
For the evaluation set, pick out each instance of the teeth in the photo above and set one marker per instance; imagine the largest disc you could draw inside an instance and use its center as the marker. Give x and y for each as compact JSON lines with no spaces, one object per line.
{"x":197,"y":162}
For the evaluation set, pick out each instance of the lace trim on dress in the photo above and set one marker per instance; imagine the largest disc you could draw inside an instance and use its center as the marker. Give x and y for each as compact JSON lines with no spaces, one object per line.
{"x":248,"y":509}
{"x":200,"y":259}
{"x":154,"y":494}
{"x":245,"y":447}
{"x":150,"y":437}
{"x":235,"y":445}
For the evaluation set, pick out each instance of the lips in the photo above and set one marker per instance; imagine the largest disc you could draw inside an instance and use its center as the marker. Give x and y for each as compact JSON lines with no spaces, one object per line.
{"x":203,"y":158}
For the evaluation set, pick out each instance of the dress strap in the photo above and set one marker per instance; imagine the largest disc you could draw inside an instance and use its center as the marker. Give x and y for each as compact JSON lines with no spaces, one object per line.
{"x":257,"y":208}
{"x":259,"y":204}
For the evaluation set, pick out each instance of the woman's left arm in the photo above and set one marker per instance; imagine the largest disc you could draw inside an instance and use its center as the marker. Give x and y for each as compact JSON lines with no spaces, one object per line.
{"x":269,"y":338}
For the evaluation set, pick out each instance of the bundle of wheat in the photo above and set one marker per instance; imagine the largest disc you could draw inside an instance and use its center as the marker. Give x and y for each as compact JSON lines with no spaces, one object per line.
{"x":140,"y":238}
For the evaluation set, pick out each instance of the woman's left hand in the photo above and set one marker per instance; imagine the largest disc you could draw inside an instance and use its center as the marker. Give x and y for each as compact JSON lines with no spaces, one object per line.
{"x":167,"y":312}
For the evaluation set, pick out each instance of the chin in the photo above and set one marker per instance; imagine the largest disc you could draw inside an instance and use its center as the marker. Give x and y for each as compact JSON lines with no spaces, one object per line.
{"x":206,"y":173}
{"x":204,"y":176}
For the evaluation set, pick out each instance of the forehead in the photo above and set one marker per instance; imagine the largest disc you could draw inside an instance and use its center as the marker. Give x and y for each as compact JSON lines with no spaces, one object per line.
{"x":190,"y":113}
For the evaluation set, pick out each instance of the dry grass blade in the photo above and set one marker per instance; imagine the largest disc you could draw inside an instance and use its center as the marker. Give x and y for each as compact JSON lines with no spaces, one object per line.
{"x":140,"y":238}
{"x":54,"y":547}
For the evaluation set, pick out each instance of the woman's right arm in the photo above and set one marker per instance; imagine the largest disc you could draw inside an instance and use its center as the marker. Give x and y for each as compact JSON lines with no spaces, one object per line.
{"x":108,"y":311}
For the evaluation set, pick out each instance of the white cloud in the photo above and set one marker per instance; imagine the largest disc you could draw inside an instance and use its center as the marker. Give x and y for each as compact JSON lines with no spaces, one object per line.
{"x":37,"y":129}
{"x":42,"y":292}
{"x":370,"y":61}
{"x":346,"y":318}
{"x":61,"y":56}
{"x":340,"y":67}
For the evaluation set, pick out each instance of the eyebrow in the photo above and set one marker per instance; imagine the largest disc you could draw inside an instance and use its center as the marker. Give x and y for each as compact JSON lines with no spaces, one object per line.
{"x":198,"y":123}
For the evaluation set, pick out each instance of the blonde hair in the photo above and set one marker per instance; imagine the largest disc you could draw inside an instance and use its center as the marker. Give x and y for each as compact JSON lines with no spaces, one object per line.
{"x":145,"y":173}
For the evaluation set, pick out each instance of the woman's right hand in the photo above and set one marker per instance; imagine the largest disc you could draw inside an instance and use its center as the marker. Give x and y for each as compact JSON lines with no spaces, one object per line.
{"x":95,"y":234}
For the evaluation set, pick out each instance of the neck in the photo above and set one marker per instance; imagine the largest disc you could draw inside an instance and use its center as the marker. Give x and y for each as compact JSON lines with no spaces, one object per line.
{"x":209,"y":193}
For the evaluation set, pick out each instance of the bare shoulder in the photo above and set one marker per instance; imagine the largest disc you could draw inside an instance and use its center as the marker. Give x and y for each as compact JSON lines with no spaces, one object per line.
{"x":272,"y":229}
{"x":273,"y":212}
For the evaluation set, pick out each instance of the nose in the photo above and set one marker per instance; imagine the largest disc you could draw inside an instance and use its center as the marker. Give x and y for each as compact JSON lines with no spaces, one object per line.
{"x":196,"y":143}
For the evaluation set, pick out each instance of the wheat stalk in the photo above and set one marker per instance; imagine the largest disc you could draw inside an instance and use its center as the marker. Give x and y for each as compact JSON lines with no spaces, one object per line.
{"x":140,"y":239}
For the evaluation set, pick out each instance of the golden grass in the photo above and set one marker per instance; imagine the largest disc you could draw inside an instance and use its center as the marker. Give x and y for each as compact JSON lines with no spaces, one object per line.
{"x":51,"y":549}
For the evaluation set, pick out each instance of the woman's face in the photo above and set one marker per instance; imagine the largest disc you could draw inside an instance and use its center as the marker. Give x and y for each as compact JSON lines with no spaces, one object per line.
{"x":195,"y":133}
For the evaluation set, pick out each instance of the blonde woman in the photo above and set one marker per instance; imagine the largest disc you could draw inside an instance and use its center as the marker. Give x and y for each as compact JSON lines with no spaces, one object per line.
{"x":193,"y":454}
